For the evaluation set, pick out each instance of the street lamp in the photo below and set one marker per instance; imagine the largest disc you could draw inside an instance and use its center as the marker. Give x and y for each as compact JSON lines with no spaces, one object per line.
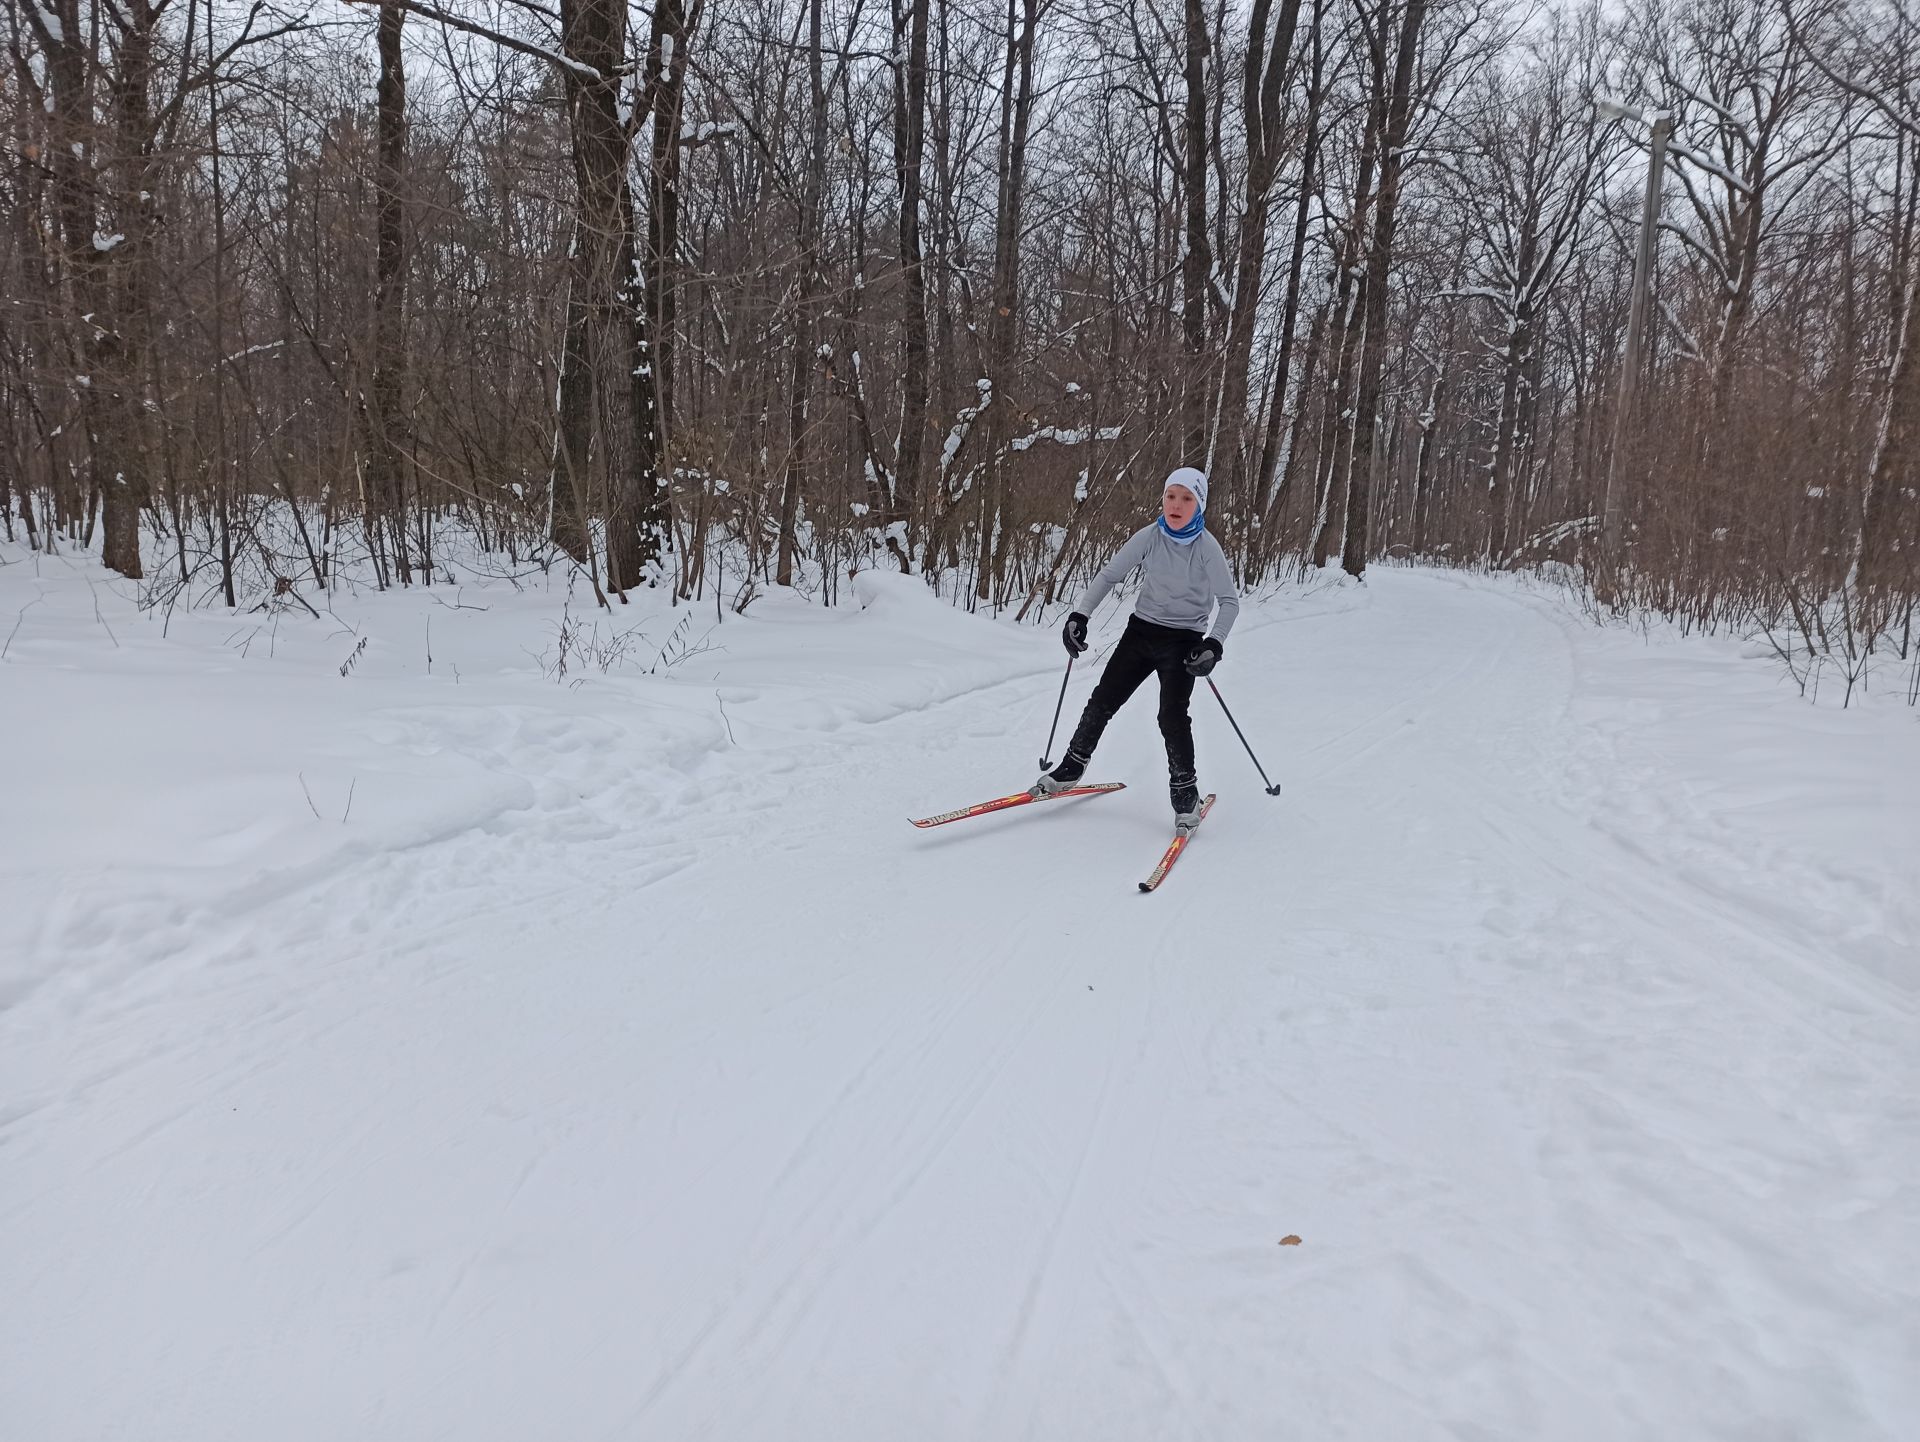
{"x":1662,"y":126}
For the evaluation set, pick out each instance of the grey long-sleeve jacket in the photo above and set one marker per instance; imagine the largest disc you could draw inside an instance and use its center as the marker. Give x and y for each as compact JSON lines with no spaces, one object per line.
{"x":1179,"y":585}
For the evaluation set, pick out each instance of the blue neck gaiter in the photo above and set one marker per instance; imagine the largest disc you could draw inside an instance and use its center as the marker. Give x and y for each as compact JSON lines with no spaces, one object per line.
{"x":1188,"y":533}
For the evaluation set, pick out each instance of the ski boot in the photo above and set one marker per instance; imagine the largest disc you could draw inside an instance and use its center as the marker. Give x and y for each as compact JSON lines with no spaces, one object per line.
{"x":1067,"y":773}
{"x":1185,"y":792}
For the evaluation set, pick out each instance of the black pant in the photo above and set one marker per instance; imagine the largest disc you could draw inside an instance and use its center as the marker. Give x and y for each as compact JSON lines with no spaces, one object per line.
{"x":1145,"y":648}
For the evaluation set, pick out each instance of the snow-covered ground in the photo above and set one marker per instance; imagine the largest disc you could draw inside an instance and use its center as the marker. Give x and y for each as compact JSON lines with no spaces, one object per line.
{"x":480,"y":1053}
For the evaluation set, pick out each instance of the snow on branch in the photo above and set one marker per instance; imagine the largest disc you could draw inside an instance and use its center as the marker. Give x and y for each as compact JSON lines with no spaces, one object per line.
{"x":1712,"y":167}
{"x":1689,"y":346}
{"x":962,"y":425}
{"x":254,"y":350}
{"x":1706,"y":253}
{"x":498,"y":37}
{"x":1727,"y":118}
{"x":706,"y":132}
{"x":1566,"y":530}
{"x":1066,"y":436}
{"x":1501,"y":298}
{"x":1902,"y":119}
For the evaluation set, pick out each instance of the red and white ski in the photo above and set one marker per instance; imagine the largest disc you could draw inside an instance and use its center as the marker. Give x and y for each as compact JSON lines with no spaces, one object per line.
{"x":1019,"y":798}
{"x":1172,"y":853}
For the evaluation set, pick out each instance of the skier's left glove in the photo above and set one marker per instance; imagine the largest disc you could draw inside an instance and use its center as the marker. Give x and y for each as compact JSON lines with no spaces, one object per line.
{"x":1074,"y":634}
{"x":1202,"y":658}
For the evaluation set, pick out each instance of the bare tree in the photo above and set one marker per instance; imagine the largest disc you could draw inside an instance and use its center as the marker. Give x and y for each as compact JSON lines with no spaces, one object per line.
{"x":1263,"y":102}
{"x":1396,"y":121}
{"x":1534,"y":165}
{"x":910,"y":136}
{"x":383,"y":415}
{"x":773,"y":290}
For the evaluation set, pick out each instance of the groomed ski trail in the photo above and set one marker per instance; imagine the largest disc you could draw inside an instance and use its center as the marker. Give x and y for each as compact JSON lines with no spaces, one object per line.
{"x":747,"y":1112}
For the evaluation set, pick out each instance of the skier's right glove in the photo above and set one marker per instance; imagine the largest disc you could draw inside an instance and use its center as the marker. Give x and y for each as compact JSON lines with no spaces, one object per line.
{"x":1074,"y":635}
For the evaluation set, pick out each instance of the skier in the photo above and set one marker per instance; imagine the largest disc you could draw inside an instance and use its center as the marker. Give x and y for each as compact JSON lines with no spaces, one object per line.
{"x":1183,"y":576}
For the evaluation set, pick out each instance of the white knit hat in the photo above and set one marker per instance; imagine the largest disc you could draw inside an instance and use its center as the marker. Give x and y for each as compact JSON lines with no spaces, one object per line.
{"x":1195,"y":481}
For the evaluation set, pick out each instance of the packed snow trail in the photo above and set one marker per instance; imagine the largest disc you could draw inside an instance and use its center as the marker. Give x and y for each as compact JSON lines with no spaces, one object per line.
{"x":1564,"y":1006}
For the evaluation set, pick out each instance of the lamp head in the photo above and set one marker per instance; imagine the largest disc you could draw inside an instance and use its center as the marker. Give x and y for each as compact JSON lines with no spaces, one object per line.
{"x":1620,"y":110}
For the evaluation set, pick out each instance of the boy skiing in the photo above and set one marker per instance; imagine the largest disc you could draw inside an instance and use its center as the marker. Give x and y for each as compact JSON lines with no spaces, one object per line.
{"x":1183,"y":578}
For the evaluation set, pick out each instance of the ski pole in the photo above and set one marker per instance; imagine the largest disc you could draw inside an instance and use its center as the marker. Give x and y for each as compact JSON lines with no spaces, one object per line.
{"x":1046,"y":765}
{"x":1272,"y":790}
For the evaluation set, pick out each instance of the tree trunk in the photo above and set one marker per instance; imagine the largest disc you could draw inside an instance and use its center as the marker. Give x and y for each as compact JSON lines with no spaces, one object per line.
{"x":569,"y":484}
{"x":594,"y":33}
{"x":101,"y":275}
{"x":1262,"y":102}
{"x":1333,"y":461}
{"x":1513,"y":368}
{"x":655,"y":287}
{"x":1353,"y":557}
{"x":1336,"y":424}
{"x":910,"y":105}
{"x":1016,"y":111}
{"x":1893,"y":455}
{"x":386,"y":497}
{"x":1266,"y":503}
{"x":945,"y":391}
{"x":1288,"y":463}
{"x":1197,"y":265}
{"x":219,"y":468}
{"x":1429,"y":427}
{"x":799,"y":410}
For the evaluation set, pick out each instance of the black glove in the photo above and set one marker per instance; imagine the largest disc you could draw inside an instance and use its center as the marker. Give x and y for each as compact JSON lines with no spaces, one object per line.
{"x":1074,"y":636}
{"x":1202,"y":658}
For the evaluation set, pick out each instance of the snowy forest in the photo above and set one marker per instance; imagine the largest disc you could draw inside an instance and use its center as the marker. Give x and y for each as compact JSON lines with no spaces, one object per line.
{"x":732,"y":295}
{"x":614,"y":615}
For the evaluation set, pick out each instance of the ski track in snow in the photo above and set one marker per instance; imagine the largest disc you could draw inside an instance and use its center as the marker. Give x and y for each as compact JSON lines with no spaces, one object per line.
{"x":672,"y":1087}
